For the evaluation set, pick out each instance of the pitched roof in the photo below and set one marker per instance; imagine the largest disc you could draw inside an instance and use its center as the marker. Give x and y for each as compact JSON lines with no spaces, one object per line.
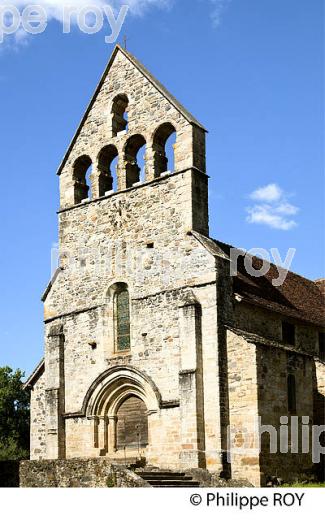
{"x":35,"y":375}
{"x":259,"y":340}
{"x":297,"y":297}
{"x":173,"y":101}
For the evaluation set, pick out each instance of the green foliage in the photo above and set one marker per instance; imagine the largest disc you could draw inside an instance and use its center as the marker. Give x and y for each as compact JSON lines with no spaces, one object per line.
{"x":304,"y":485}
{"x":111,"y":481}
{"x":14,"y":415}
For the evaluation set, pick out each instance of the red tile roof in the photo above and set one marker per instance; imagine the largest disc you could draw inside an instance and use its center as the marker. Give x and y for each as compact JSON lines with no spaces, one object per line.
{"x":297,"y":297}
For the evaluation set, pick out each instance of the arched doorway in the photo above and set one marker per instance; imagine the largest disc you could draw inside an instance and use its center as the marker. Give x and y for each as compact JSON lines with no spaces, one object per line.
{"x":132,"y":424}
{"x":121,"y":402}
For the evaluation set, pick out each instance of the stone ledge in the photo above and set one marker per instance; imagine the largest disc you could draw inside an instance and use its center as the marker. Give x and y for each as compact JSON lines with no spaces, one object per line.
{"x":134,"y":187}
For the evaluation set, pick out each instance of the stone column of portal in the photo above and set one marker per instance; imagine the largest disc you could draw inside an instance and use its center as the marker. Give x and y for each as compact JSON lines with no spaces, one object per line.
{"x":190,"y":387}
{"x":95,"y":431}
{"x":103,"y":435}
{"x":112,"y":434}
{"x":54,"y":393}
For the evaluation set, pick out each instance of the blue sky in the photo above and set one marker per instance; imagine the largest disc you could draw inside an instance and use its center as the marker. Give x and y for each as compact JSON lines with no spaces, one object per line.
{"x":250,"y":70}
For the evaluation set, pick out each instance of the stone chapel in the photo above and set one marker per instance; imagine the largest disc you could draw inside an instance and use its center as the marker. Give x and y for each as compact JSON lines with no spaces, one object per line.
{"x":153,"y":349}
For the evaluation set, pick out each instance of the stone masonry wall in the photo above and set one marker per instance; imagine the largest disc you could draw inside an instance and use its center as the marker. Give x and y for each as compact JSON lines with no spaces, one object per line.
{"x":156,"y":352}
{"x":269,"y":325}
{"x":140,"y":236}
{"x":319,"y":411}
{"x":107,"y":241}
{"x":258,"y":389}
{"x":273,"y":367}
{"x":37,"y":418}
{"x":274,"y":363}
{"x":118,"y":230}
{"x":243,"y":409}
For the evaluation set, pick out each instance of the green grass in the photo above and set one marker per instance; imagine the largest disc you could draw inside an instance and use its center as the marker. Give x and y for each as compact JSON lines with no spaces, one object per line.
{"x":305,"y":485}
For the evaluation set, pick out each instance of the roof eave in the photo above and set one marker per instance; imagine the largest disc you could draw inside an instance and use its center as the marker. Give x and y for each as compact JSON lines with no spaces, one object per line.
{"x":50,"y":284}
{"x":35,"y":375}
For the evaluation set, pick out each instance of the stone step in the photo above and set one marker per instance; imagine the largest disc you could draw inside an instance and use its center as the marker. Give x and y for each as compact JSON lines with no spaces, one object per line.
{"x":173,"y":483}
{"x":165,"y":477}
{"x":162,"y":475}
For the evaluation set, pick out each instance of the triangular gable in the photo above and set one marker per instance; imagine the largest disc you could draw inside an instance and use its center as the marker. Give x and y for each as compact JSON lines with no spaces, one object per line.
{"x":173,"y":101}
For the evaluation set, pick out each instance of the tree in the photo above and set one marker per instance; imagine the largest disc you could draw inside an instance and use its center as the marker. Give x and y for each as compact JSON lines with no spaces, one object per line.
{"x":14,"y":415}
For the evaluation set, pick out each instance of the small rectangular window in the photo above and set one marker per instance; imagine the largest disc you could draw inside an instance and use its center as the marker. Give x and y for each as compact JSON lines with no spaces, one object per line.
{"x":291,"y":382}
{"x":288,"y":333}
{"x":321,"y":342}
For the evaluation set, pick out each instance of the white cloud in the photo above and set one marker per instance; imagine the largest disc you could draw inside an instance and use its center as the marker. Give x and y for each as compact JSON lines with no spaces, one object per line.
{"x":267,"y":215}
{"x":55,"y":10}
{"x":273,"y":209}
{"x":218,"y":8}
{"x":286,"y":208}
{"x":21,"y":38}
{"x":268,"y":193}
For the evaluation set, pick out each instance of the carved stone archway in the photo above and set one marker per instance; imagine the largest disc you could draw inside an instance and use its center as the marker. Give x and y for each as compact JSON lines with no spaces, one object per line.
{"x":103,"y":403}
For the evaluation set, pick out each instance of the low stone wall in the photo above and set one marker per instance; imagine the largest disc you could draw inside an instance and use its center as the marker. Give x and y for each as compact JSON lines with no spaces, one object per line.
{"x":77,"y":473}
{"x":207,"y":479}
{"x":9,"y":473}
{"x":95,"y":473}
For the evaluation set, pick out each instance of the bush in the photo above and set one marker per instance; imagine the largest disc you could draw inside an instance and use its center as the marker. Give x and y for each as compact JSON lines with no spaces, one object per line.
{"x":14,"y":416}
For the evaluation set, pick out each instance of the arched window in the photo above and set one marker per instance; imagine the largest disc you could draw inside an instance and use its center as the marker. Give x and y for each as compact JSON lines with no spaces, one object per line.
{"x":291,"y":388}
{"x":81,"y":177}
{"x":119,"y":114}
{"x":132,"y":424}
{"x":135,"y":160}
{"x":107,"y":164}
{"x":163,"y":146}
{"x":122,"y":319}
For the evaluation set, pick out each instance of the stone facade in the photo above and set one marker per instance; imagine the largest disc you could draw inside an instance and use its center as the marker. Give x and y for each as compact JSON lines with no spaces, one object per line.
{"x":199,"y":360}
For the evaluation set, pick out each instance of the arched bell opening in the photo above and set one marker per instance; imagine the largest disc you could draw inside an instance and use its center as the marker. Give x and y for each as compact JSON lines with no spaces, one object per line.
{"x":82,"y":168}
{"x":164,"y":141}
{"x":107,"y":166}
{"x":134,"y":153}
{"x":120,"y":114}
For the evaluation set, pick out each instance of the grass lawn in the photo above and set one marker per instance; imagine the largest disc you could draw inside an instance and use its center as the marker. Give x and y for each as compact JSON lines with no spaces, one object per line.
{"x":305,"y":485}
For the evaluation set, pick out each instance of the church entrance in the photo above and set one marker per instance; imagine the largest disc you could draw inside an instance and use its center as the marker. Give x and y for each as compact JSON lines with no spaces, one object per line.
{"x":123,"y":404}
{"x":132,"y":424}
